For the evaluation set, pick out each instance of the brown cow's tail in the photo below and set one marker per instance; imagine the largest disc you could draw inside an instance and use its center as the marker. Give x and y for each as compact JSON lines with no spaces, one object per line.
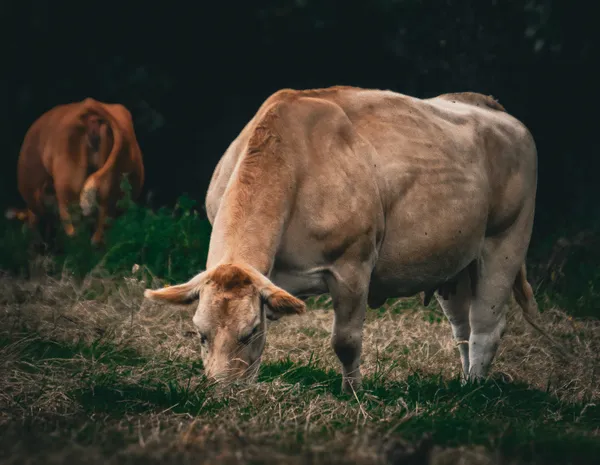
{"x":88,"y":196}
{"x":524,"y":297}
{"x":89,"y":193}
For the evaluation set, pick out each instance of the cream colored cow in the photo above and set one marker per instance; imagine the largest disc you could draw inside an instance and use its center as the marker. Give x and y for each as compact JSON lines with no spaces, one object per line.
{"x":367,"y":195}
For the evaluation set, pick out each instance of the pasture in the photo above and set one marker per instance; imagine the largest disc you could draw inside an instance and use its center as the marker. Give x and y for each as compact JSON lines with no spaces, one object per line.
{"x":91,"y":373}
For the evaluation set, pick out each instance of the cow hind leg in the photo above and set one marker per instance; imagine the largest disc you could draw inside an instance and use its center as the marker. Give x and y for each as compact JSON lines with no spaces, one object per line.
{"x":98,"y":237}
{"x":67,"y":186}
{"x":63,"y":209}
{"x":66,"y":197}
{"x":456,"y":309}
{"x":501,"y":262}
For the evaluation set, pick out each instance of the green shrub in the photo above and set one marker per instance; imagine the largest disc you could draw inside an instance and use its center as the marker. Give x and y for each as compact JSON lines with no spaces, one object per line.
{"x":564,"y":268}
{"x":169,"y":243}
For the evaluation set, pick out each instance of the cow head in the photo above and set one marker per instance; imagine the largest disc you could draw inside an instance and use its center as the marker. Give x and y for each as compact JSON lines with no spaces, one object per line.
{"x":234,"y":302}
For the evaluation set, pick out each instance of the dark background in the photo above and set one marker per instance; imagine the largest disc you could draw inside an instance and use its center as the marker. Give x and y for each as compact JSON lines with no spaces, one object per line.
{"x":193,"y":74}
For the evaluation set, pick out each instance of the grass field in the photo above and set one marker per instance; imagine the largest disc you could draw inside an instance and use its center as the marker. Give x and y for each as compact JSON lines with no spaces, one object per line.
{"x":91,"y":374}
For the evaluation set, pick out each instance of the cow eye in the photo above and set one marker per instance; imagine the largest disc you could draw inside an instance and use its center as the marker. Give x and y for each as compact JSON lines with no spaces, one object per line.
{"x":203,"y":338}
{"x":248,"y":337}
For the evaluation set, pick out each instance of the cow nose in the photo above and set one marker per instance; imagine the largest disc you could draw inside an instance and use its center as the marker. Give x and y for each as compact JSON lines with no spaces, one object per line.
{"x":217,"y":371}
{"x":220,"y":377}
{"x":226,"y":373}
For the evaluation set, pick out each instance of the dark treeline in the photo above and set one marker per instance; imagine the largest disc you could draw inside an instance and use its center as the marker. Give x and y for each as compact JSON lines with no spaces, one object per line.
{"x":194,"y":75}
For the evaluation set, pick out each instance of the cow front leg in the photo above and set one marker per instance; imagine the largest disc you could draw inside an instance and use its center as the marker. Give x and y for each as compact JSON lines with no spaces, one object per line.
{"x":349,"y":289}
{"x":456,"y":308}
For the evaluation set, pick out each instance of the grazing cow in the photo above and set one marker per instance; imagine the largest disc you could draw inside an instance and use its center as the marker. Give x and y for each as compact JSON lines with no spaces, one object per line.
{"x":78,"y":152}
{"x":367,"y":195}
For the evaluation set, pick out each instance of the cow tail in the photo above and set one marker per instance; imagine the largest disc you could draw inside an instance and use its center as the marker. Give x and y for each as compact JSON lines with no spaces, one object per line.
{"x":89,"y":194}
{"x":524,"y":296}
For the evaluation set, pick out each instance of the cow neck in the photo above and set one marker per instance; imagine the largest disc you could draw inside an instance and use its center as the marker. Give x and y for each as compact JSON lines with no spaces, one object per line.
{"x":250,"y":221}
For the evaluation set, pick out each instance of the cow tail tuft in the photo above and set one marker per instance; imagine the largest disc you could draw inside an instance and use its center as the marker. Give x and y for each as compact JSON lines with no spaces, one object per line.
{"x":89,"y":196}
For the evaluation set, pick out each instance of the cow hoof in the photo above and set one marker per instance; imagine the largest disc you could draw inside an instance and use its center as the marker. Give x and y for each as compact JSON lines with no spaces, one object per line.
{"x":350,"y":386}
{"x":503,"y":378}
{"x":476,"y":380}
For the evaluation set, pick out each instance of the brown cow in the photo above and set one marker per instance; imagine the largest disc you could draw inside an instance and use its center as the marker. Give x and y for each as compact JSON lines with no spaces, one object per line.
{"x":367,"y":195}
{"x":79,"y":152}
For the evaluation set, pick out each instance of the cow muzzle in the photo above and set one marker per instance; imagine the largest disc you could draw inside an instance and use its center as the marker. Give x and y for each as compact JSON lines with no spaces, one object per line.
{"x":233,"y":370}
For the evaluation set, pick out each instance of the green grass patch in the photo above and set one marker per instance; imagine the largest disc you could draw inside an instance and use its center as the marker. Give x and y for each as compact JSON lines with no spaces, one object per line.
{"x":34,"y":349}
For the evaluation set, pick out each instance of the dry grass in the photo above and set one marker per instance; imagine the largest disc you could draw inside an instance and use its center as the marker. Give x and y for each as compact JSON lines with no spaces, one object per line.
{"x":91,"y":373}
{"x":416,"y":344}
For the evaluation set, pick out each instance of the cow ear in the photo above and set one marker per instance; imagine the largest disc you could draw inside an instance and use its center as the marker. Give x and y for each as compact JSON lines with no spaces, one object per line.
{"x":181,"y":294}
{"x":280,"y":303}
